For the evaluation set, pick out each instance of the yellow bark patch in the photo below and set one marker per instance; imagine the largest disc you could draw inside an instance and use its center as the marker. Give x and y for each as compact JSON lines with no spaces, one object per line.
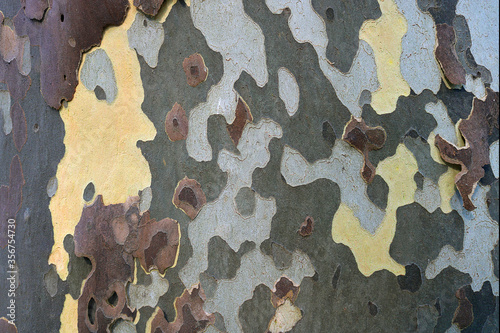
{"x":434,"y":150}
{"x":372,"y":251}
{"x":384,"y":36}
{"x":101,"y":143}
{"x":285,"y":318}
{"x":150,"y":320}
{"x":69,"y":315}
{"x":447,"y":188}
{"x":446,"y":182}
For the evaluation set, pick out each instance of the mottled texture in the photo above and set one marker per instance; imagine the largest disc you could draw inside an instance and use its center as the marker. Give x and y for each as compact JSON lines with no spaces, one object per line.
{"x":343,"y":19}
{"x":120,"y":125}
{"x":247,"y":55}
{"x":67,"y":30}
{"x":110,"y":270}
{"x":190,"y":314}
{"x":18,"y":85}
{"x":146,"y":36}
{"x":364,"y":139}
{"x":111,"y":236}
{"x":418,"y":64}
{"x":306,"y":25}
{"x":482,"y":19}
{"x":140,"y":295}
{"x":475,"y":154}
{"x":420,"y":235}
{"x":474,"y":258}
{"x":278,"y":230}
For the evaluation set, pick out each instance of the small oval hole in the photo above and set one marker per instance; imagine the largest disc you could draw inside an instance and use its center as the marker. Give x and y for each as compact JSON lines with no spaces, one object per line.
{"x":91,"y":310}
{"x":330,"y":15}
{"x":113,"y":300}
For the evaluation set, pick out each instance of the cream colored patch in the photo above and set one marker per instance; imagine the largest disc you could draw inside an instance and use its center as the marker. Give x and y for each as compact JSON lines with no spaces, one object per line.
{"x":384,"y":35}
{"x":285,"y":318}
{"x":69,"y":315}
{"x":101,"y":143}
{"x":372,"y":251}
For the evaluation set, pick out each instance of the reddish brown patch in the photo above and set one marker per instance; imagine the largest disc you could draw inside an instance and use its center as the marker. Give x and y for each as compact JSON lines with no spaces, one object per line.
{"x":446,"y":55}
{"x":476,"y":152}
{"x":464,"y":315}
{"x":34,"y":9}
{"x":11,"y":198}
{"x":158,"y":243}
{"x":190,"y":314}
{"x":307,"y":227}
{"x":365,"y":139}
{"x":150,"y":7}
{"x":6,"y":327}
{"x":111,"y":236}
{"x":112,"y":267}
{"x":121,"y":229}
{"x":284,"y":289}
{"x":243,"y":116}
{"x":195,"y":69}
{"x":189,"y":197}
{"x":176,"y":123}
{"x":159,"y":324}
{"x":11,"y":45}
{"x":79,"y":23}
